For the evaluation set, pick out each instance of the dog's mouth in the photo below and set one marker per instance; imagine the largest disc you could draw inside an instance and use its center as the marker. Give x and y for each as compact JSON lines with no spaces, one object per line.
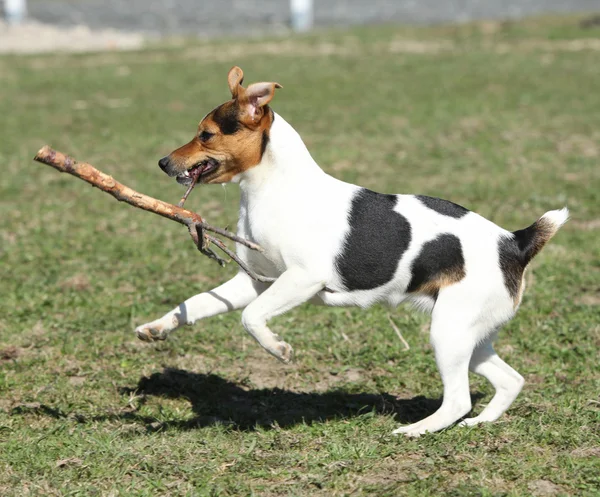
{"x":194,"y":173}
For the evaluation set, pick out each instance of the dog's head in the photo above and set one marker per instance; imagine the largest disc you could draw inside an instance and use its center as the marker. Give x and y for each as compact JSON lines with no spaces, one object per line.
{"x":230,"y":140}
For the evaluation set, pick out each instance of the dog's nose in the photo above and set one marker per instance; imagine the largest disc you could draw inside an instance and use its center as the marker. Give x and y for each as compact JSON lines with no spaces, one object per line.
{"x":164,"y":163}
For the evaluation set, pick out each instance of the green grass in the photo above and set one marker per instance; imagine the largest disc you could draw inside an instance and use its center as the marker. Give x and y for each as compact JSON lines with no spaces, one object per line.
{"x":503,"y":118}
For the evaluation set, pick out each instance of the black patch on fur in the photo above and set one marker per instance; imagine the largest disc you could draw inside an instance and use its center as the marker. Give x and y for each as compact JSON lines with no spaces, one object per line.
{"x":226,"y":117}
{"x":512,"y":264}
{"x":444,"y":207}
{"x":264,"y":142}
{"x":515,"y":253}
{"x":375,"y":243}
{"x":438,"y":257}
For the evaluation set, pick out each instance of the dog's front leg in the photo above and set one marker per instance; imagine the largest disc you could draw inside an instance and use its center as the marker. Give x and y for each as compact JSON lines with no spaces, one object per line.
{"x":294,"y":287}
{"x":236,"y":293}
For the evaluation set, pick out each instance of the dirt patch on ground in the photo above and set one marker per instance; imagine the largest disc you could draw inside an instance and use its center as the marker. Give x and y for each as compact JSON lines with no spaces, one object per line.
{"x":419,"y":46}
{"x":258,"y":370}
{"x":261,"y":371}
{"x":592,"y":44}
{"x":579,"y":145}
{"x":591,"y":299}
{"x":78,"y":281}
{"x":280,"y":47}
{"x":392,"y":470}
{"x":586,"y":452}
{"x":9,"y":353}
{"x":543,"y":488}
{"x":34,"y":37}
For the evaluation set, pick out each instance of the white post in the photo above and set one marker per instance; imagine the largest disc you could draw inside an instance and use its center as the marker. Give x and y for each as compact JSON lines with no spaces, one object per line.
{"x":15,"y":11}
{"x":302,"y":14}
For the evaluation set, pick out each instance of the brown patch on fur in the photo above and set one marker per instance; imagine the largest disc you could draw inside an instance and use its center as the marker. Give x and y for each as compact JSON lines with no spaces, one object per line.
{"x":448,"y":277}
{"x":519,"y":296}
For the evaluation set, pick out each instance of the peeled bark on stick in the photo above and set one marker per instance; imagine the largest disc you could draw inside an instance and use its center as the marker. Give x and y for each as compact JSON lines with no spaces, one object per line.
{"x":197,"y":226}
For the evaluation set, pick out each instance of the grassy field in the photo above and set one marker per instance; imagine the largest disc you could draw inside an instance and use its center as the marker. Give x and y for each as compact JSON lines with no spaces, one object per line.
{"x":503,"y":118}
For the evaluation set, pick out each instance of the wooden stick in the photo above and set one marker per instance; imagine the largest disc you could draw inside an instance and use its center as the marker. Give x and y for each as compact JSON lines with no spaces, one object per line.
{"x":188,"y":191}
{"x":106,"y":183}
{"x":196,"y":225}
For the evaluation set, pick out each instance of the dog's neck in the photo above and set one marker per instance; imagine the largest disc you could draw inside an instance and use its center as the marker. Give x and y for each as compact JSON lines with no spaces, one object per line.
{"x":286,"y":159}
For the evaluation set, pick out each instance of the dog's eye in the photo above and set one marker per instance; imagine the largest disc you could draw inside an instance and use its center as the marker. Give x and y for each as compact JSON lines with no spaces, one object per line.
{"x":206,"y":135}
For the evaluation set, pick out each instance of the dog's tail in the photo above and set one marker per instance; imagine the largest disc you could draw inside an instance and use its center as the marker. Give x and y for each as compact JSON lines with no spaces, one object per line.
{"x":533,"y":238}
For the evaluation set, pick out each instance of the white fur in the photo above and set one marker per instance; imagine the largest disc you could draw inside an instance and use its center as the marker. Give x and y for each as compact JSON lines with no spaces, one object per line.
{"x":299,"y":215}
{"x":557,"y":217}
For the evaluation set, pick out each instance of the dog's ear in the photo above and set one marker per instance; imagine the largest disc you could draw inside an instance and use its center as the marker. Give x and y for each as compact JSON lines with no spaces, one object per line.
{"x":255,"y":97}
{"x":235,"y":78}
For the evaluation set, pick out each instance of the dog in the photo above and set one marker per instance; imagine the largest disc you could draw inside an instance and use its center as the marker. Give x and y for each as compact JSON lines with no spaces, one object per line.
{"x":338,"y":244}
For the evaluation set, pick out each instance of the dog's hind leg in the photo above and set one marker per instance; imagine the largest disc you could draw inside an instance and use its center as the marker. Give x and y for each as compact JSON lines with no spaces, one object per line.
{"x":453,"y":348}
{"x":507,"y":382}
{"x":236,"y":293}
{"x":454,"y":337}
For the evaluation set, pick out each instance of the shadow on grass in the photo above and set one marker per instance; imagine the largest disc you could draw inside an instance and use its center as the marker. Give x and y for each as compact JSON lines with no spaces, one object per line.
{"x":216,"y":400}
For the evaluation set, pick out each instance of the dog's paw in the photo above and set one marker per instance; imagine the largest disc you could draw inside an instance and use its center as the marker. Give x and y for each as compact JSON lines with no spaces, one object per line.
{"x":151,"y":332}
{"x":412,"y":431}
{"x":477,"y":420}
{"x":286,"y":352}
{"x":283,"y":351}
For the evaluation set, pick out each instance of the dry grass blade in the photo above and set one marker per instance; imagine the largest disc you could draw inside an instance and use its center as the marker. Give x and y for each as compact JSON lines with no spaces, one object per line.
{"x":397,"y":330}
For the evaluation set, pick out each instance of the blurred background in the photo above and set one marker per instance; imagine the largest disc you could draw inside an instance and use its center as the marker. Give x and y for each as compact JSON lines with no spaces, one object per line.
{"x":124,"y":24}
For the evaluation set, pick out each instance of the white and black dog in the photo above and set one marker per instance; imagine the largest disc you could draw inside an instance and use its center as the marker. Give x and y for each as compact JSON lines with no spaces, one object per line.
{"x":338,"y":244}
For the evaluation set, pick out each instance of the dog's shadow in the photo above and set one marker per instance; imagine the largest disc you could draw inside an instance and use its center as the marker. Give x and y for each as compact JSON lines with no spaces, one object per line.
{"x":216,"y":400}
